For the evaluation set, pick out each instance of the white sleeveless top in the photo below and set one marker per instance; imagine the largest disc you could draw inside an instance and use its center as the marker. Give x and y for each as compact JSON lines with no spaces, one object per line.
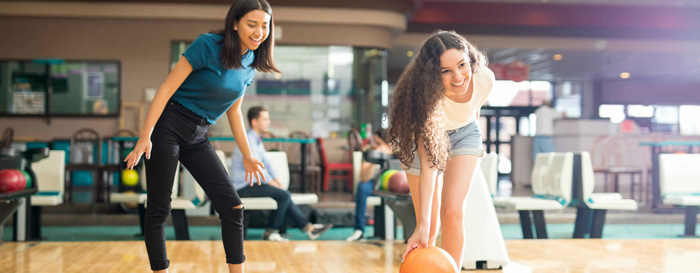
{"x":458,"y":115}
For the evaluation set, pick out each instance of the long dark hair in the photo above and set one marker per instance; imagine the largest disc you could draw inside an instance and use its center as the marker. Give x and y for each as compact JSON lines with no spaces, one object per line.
{"x":416,"y":110}
{"x":231,"y":49}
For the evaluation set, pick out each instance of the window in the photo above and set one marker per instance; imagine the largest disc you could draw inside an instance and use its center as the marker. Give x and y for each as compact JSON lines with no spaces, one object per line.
{"x":568,"y":98}
{"x":84,"y":88}
{"x":525,"y":93}
{"x":59,"y":88}
{"x":313,"y":94}
{"x":640,"y":111}
{"x":666,"y":115}
{"x":615,"y":112}
{"x":689,"y":122}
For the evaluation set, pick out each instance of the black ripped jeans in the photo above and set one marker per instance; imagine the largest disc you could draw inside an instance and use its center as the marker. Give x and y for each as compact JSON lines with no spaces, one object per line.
{"x":181,"y":135}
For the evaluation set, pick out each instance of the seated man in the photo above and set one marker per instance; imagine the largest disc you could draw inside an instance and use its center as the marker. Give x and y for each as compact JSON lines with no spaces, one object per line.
{"x":259,"y":119}
{"x":364,"y":189}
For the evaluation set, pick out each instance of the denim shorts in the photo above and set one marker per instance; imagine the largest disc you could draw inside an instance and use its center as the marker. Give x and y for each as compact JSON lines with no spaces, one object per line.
{"x":463,"y":141}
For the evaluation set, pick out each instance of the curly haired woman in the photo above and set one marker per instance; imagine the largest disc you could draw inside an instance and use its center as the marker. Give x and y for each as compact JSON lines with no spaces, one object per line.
{"x":434,"y":114}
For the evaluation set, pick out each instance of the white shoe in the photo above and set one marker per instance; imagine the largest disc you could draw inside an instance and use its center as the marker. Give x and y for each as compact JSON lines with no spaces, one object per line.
{"x":276,"y":237}
{"x":356,"y":236}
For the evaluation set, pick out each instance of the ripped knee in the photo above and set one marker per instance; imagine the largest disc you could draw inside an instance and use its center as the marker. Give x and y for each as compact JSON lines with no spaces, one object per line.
{"x":234,"y":215}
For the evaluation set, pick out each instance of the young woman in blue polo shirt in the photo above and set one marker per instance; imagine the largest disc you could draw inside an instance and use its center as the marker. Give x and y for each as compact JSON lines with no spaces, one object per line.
{"x":208,"y":81}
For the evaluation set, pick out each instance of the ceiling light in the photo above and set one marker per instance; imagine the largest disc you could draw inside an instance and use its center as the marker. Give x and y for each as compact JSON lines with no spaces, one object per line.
{"x":624,"y":75}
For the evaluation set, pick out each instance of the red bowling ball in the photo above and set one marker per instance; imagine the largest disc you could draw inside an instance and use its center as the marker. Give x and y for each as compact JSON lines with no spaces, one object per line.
{"x":11,"y":180}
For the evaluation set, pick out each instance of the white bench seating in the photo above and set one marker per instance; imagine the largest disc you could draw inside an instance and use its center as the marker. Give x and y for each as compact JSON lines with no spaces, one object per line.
{"x":551,"y":185}
{"x":50,"y":181}
{"x":590,"y":215}
{"x":679,"y":178}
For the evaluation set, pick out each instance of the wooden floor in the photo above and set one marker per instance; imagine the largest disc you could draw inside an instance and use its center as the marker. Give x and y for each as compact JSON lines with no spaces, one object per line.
{"x":587,"y":255}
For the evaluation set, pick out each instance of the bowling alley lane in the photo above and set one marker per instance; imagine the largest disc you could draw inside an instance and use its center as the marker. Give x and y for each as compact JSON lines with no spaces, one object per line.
{"x":591,"y":255}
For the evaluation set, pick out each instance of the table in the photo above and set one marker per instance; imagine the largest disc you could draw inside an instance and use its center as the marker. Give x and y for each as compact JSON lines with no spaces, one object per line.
{"x":302,"y":141}
{"x":655,"y":152}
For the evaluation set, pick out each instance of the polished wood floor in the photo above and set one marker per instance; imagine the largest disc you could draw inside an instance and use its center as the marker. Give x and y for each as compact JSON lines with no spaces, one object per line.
{"x":587,"y":255}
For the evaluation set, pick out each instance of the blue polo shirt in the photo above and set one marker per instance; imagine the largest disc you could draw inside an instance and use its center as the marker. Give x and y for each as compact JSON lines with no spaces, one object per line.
{"x":211,"y":89}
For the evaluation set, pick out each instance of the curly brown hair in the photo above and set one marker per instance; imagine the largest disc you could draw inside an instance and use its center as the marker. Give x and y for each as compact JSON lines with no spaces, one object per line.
{"x":415,"y":110}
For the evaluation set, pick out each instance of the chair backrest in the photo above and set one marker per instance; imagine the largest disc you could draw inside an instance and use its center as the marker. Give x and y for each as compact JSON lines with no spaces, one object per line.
{"x":489,"y":166}
{"x":278,"y":160}
{"x":679,"y":174}
{"x":322,"y":151}
{"x":599,"y":154}
{"x":7,"y":136}
{"x":176,"y":181}
{"x":50,"y":172}
{"x":620,"y":150}
{"x":355,"y":140}
{"x":82,"y":147}
{"x":587,"y":176}
{"x":299,"y":134}
{"x":294,"y":151}
{"x":540,"y":171}
{"x":559,"y":178}
{"x":271,"y":145}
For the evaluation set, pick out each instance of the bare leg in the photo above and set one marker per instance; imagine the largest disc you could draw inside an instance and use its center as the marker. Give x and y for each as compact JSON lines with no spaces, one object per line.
{"x":235,"y":268}
{"x":457,"y":181}
{"x":434,"y":220}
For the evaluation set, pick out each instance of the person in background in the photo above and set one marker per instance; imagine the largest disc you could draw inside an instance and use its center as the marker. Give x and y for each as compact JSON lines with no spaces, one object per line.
{"x":543,"y":141}
{"x":368,"y":172}
{"x":628,"y":125}
{"x":259,"y":120}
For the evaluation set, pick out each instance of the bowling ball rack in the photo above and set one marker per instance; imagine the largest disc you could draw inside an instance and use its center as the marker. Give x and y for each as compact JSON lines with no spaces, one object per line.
{"x":401,"y":204}
{"x":10,"y":158}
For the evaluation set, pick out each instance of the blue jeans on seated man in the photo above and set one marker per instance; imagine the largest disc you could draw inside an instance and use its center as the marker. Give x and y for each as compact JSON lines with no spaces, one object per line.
{"x":285,"y":208}
{"x":364,"y":190}
{"x":542,"y":144}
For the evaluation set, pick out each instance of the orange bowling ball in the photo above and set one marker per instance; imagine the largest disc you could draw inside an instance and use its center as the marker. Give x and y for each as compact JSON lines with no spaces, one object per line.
{"x":432,"y":259}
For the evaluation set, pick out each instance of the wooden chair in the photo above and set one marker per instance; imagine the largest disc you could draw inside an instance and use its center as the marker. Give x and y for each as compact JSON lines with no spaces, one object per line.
{"x":313,"y":166}
{"x":621,"y":152}
{"x":114,"y":163}
{"x":271,"y":146}
{"x":83,"y":157}
{"x":6,"y":140}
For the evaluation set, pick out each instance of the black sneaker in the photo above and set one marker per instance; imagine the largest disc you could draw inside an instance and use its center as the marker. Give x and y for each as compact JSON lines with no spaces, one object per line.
{"x":318,"y":230}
